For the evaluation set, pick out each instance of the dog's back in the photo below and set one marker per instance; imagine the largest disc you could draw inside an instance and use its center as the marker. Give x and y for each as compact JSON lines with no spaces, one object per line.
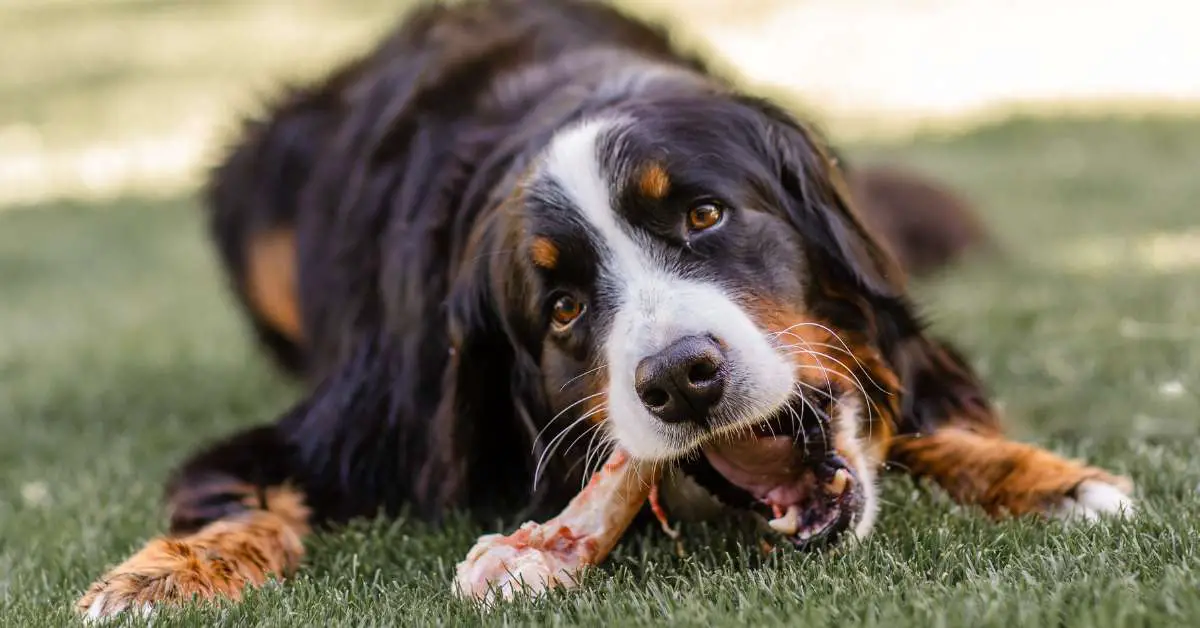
{"x":441,"y":92}
{"x":486,"y":61}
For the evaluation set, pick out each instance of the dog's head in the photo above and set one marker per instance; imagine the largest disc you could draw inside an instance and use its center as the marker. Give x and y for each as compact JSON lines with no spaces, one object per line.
{"x":686,"y":278}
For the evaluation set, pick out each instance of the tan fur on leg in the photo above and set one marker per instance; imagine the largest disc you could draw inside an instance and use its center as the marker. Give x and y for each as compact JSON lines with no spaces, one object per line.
{"x":1007,"y":477}
{"x":221,"y":559}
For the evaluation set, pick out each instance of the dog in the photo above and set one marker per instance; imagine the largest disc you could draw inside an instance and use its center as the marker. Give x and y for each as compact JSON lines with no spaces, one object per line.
{"x":539,"y":226}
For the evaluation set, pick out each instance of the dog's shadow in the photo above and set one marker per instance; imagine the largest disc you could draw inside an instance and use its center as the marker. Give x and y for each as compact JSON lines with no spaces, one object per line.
{"x":735,"y":543}
{"x":393,"y":549}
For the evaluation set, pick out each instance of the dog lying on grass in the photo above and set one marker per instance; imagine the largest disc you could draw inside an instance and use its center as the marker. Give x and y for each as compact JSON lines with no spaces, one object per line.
{"x":537,"y":226}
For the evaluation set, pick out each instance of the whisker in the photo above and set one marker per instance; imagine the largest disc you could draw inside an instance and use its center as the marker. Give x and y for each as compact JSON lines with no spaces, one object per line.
{"x":794,"y":349}
{"x":595,"y":459}
{"x":552,"y":446}
{"x":892,"y":464}
{"x":844,"y":347}
{"x":585,"y":459}
{"x":798,"y":421}
{"x":581,"y":460}
{"x":590,"y":413}
{"x":582,"y":375}
{"x":858,"y":383}
{"x":828,"y":371}
{"x":862,"y":368}
{"x":562,"y":412}
{"x":870,"y":405}
{"x":821,"y":414}
{"x":829,"y":386}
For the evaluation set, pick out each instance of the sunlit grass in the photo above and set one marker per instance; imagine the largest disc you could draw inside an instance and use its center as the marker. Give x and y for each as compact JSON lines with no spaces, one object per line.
{"x":134,"y":97}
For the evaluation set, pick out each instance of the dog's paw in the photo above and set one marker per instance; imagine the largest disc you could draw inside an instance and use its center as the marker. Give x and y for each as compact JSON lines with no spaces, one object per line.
{"x":166,"y":571}
{"x":528,"y":562}
{"x":1093,"y":499}
{"x":218,"y":561}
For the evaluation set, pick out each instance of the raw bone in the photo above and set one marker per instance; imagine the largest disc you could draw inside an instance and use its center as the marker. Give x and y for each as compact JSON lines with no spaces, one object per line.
{"x":539,"y":556}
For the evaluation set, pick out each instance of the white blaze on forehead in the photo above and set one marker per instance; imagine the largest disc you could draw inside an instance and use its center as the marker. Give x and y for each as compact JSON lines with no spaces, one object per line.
{"x":573,"y":162}
{"x":654,"y":306}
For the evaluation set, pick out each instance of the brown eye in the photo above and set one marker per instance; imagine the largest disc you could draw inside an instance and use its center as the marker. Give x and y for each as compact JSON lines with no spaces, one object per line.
{"x":704,"y":216}
{"x":566,"y":310}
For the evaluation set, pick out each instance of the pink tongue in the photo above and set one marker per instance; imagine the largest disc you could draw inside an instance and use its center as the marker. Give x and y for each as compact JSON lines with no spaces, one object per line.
{"x":771,"y":469}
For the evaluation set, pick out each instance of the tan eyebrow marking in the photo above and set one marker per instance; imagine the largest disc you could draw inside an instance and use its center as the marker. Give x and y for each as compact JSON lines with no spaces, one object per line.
{"x":654,"y":182}
{"x":544,"y":253}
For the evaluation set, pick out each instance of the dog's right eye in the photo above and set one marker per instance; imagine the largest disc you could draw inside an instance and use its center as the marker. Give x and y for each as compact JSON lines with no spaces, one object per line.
{"x":705,"y":215}
{"x":566,"y":310}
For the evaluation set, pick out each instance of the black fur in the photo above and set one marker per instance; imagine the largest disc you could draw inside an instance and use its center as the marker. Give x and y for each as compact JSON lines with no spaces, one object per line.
{"x":424,"y":340}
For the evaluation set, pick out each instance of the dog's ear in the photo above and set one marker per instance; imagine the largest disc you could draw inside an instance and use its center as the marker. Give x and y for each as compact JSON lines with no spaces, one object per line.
{"x":492,"y":384}
{"x":938,"y":385}
{"x":943,"y":389}
{"x":818,"y":204}
{"x":854,"y":285}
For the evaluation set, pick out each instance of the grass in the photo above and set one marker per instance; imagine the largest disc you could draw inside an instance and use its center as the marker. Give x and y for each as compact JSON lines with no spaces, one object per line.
{"x":120,"y":352}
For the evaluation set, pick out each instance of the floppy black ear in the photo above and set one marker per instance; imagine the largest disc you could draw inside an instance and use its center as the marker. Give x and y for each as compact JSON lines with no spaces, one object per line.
{"x":938,"y":386}
{"x":818,"y":204}
{"x":492,"y":397}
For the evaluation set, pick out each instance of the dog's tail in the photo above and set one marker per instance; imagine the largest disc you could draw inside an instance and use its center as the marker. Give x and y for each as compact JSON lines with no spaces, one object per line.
{"x":922,"y":222}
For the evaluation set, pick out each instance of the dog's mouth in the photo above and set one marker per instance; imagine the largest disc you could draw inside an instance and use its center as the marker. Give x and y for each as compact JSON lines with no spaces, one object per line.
{"x":791,"y":476}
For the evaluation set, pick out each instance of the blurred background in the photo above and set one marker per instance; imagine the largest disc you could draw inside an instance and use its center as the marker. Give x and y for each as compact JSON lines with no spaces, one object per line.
{"x":109,"y":97}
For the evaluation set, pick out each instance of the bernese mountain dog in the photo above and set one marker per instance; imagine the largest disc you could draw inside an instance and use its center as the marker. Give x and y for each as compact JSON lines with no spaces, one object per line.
{"x":521,"y":232}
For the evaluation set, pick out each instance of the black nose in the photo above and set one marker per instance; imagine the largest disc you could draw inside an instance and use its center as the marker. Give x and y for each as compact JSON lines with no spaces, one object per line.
{"x":684,"y":381}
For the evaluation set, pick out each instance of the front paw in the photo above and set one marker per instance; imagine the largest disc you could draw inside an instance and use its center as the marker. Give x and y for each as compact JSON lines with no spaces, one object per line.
{"x":530,"y":561}
{"x":220,"y":560}
{"x":165,"y":571}
{"x":1094,"y":499}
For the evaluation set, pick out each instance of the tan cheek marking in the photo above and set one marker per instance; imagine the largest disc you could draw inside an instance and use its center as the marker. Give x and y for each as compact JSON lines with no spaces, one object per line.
{"x":271,"y":281}
{"x":821,"y":359}
{"x":597,"y":383}
{"x":598,"y":416}
{"x":654,"y":182}
{"x":544,"y":253}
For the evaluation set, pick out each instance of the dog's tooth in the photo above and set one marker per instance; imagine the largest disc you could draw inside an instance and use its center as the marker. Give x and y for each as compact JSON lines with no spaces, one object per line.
{"x":789,"y":523}
{"x":784,"y":525}
{"x":837,"y":486}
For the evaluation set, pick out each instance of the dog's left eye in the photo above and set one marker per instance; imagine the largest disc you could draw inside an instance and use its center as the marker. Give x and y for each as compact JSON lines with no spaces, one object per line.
{"x":566,"y":309}
{"x":704,"y":215}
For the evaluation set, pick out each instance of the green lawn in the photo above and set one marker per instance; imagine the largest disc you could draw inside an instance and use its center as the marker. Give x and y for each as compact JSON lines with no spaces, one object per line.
{"x":120,"y":353}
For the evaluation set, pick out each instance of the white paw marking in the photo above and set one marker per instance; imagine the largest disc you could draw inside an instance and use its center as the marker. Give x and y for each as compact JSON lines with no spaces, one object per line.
{"x":1094,"y":499}
{"x":99,"y":612}
{"x":97,"y":607}
{"x":102,"y":611}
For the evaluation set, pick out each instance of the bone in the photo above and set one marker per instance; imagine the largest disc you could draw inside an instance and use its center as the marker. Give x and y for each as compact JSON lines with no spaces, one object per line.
{"x":837,"y":486}
{"x":789,"y":523}
{"x":541,"y":556}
